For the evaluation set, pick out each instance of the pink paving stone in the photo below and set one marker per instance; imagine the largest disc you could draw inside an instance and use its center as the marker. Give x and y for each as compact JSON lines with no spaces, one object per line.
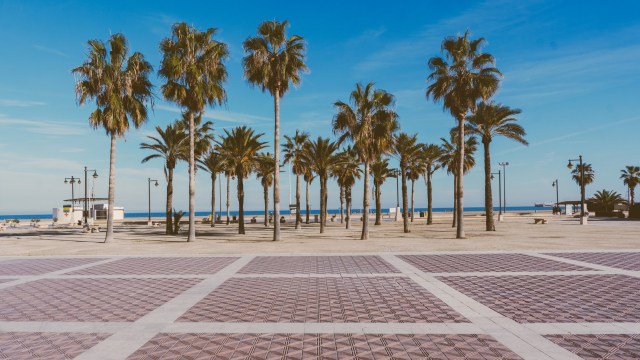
{"x":621,"y":260}
{"x":159,"y":266}
{"x":88,"y":299}
{"x":41,"y":266}
{"x":486,"y":263}
{"x":555,"y":298}
{"x":325,"y":346}
{"x":50,"y":346}
{"x":613,"y":347}
{"x":321,"y":299}
{"x":318,"y":265}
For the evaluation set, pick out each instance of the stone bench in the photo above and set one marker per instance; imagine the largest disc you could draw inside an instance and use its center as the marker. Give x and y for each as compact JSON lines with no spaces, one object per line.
{"x":539,"y":220}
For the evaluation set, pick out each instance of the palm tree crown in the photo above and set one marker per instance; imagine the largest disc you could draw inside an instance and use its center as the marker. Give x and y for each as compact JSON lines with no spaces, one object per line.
{"x":491,"y":120}
{"x":589,"y":174}
{"x":631,"y":177}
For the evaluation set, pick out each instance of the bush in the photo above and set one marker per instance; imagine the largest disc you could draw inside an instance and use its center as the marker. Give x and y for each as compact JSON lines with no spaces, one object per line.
{"x":634,"y":212}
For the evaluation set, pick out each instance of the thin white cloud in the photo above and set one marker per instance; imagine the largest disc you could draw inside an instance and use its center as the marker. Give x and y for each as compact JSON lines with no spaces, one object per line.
{"x":20,"y":103}
{"x":50,"y":50}
{"x":227,"y":116}
{"x":44,"y":127}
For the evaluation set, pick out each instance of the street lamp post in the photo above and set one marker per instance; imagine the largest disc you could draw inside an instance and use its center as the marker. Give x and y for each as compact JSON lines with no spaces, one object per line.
{"x":72,"y":180}
{"x":504,"y":188}
{"x":583,"y":220}
{"x":555,"y":185}
{"x":149,"y":180}
{"x":85,"y":207}
{"x":499,"y":193}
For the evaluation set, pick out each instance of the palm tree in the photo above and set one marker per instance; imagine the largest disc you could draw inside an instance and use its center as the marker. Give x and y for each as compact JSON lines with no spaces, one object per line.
{"x":308,"y":179}
{"x":460,"y":78}
{"x":414,"y":172}
{"x":203,"y":137}
{"x":240,"y":147}
{"x":293,"y":148}
{"x":489,"y":121}
{"x":272,"y":62}
{"x":606,"y":200}
{"x":589,"y":176}
{"x":431,"y":156}
{"x":631,"y":177}
{"x":450,"y":159}
{"x":193,"y":68}
{"x":121,"y":88}
{"x":380,"y":171}
{"x":346,"y":172}
{"x":265,"y":167}
{"x":213,"y":163}
{"x":321,"y":156}
{"x":170,"y":145}
{"x":406,"y":149}
{"x":370,"y":124}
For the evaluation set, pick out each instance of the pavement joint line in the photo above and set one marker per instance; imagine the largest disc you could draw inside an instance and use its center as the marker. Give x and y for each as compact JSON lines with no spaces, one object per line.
{"x":340,"y":275}
{"x":523,"y":273}
{"x":522,"y":341}
{"x":62,"y":326}
{"x":584,"y":328}
{"x":608,"y":269}
{"x":52,"y":274}
{"x":125,"y":342}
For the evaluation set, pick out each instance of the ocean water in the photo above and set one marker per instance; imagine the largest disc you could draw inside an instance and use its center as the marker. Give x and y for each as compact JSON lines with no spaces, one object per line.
{"x":251,"y":213}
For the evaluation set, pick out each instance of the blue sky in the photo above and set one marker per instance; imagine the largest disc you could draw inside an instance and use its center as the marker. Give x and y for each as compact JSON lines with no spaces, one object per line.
{"x":572,"y":67}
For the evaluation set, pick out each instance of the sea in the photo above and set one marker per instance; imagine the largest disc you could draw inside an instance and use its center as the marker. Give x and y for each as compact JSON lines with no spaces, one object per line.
{"x":249,"y":213}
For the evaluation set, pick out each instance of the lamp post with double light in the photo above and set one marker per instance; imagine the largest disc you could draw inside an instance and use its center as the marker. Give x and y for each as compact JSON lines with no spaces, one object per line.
{"x":73,"y":180}
{"x":555,"y":185}
{"x":504,"y":188}
{"x":499,"y":173}
{"x":149,"y":181}
{"x":583,"y":219}
{"x":85,"y":207}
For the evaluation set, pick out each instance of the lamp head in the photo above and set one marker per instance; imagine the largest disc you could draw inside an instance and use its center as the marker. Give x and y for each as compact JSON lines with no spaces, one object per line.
{"x":79,"y":182}
{"x":492,"y":177}
{"x":570,"y":165}
{"x":65,"y":181}
{"x":95,"y":174}
{"x":156,"y":183}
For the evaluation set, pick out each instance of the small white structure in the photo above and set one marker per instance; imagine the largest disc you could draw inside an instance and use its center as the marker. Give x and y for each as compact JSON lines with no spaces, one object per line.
{"x":395,"y":213}
{"x":67,"y":214}
{"x":72,"y":214}
{"x":99,"y":212}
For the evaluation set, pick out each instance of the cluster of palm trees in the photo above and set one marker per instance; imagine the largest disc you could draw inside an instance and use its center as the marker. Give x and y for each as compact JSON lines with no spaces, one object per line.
{"x":366,"y":126}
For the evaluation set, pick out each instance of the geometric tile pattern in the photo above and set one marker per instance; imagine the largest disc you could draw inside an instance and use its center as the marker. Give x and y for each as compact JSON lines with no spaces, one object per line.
{"x":88,"y":299}
{"x":444,"y":263}
{"x":318,"y":265}
{"x":555,"y":298}
{"x":613,"y":347}
{"x":23,"y":345}
{"x":159,"y":266}
{"x":40,"y":266}
{"x":325,"y":346}
{"x":321,"y":299}
{"x":625,"y":260}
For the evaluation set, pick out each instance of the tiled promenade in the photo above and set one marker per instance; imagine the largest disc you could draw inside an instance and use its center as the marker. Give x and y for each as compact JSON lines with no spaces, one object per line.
{"x":509,"y":305}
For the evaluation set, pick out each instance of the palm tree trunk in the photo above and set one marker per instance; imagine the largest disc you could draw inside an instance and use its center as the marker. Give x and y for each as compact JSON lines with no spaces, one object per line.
{"x":276,"y":175}
{"x":378,"y":210}
{"x":192,"y":180}
{"x":405,"y":202}
{"x":455,"y":201}
{"x":213,"y":200}
{"x":365,"y":203}
{"x":488,"y":196}
{"x":347,"y":193}
{"x":413,"y":183}
{"x":228,"y":193}
{"x":460,"y":195}
{"x":266,"y":205}
{"x":307,"y":203}
{"x":341,"y":204}
{"x":240,"y":203}
{"x":429,"y":197}
{"x":169,"y":217}
{"x":322,"y":204}
{"x":632,"y":190}
{"x":298,"y":216}
{"x":112,"y":185}
{"x":326,"y":194}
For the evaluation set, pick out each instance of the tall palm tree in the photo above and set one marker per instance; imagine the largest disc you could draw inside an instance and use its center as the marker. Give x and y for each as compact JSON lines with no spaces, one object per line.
{"x":273,"y":61}
{"x":121,"y":89}
{"x":460,"y":78}
{"x":380,"y":171}
{"x":369,"y":124}
{"x":213,"y":163}
{"x":346,"y":172}
{"x":321,"y":155}
{"x":489,"y":121}
{"x":451,"y":158}
{"x":240,"y":147}
{"x":265,"y":167}
{"x":414,"y":172}
{"x":193,"y":68}
{"x":431,"y":156}
{"x":406,"y":149}
{"x":308,"y":176}
{"x":589,"y":177}
{"x":203,"y":137}
{"x":171,"y":145}
{"x":293,"y":148}
{"x":631,"y":177}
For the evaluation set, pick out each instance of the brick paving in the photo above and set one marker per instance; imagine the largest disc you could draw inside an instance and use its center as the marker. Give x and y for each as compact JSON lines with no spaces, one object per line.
{"x":386,"y":306}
